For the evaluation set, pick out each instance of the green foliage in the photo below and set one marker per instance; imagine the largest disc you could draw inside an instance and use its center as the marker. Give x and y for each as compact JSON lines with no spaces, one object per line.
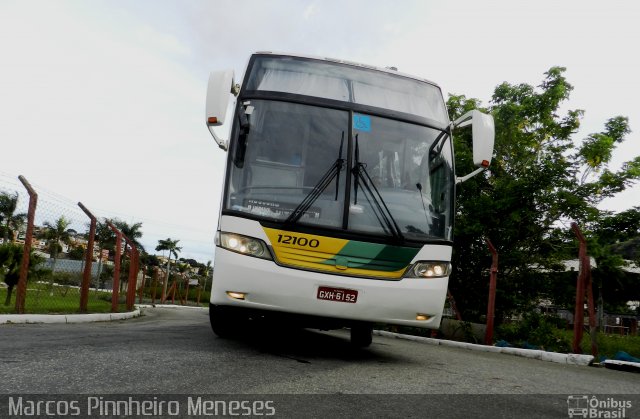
{"x":540,"y":179}
{"x":67,"y":278}
{"x":11,"y":222}
{"x":10,"y":263}
{"x":536,"y":329}
{"x":55,"y":233}
{"x":76,"y":253}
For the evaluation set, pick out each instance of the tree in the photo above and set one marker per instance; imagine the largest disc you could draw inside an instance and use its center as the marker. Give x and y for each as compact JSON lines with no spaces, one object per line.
{"x":105,"y":239}
{"x":540,"y":179}
{"x":11,"y":220}
{"x":55,"y":234}
{"x":133,"y":233}
{"x":172,"y":247}
{"x":205,"y":271}
{"x":10,"y":262}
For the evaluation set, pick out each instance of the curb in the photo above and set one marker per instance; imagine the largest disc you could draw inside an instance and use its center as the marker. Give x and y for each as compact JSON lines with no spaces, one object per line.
{"x":170,"y":306}
{"x":622,"y":365}
{"x":571,"y":359}
{"x":84,"y":318}
{"x":66,"y":318}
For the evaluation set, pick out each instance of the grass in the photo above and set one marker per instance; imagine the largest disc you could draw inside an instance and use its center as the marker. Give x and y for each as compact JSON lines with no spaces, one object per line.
{"x":65,"y":300}
{"x":608,"y":345}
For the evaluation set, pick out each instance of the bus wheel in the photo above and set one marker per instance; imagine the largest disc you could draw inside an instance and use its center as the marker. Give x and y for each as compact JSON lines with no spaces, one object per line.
{"x":361,"y":335}
{"x":223,"y":323}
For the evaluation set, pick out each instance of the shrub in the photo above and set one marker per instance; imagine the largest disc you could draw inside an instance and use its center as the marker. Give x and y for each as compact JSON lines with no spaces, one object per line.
{"x":535,"y":330}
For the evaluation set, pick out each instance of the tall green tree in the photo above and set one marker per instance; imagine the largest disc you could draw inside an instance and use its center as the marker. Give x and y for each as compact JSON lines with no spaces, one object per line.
{"x":172,"y":247}
{"x":10,"y":220}
{"x":541,"y":178}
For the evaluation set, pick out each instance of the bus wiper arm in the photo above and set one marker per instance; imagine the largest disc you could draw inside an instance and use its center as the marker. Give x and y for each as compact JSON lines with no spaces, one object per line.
{"x":323,"y":183}
{"x":362,"y":177}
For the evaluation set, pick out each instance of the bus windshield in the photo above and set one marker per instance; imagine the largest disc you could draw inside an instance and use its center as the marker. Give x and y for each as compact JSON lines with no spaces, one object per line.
{"x":288,"y":152}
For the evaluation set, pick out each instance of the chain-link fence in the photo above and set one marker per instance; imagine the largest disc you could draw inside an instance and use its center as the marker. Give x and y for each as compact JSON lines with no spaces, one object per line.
{"x":79,"y":262}
{"x":68,"y":270}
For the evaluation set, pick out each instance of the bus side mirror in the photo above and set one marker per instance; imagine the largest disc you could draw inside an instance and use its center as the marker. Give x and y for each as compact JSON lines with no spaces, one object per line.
{"x":483,"y":131}
{"x":221,"y":85}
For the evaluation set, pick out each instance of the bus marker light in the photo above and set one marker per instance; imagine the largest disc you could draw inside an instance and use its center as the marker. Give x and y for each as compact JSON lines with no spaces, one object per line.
{"x":422,"y":317}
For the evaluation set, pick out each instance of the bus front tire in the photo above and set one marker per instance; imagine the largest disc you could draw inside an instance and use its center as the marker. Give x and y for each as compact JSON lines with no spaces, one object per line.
{"x":223,"y":323}
{"x":361,"y":335}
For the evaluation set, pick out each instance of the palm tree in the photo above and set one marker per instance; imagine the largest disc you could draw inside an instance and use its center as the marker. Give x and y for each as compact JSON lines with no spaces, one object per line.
{"x":56,"y":233}
{"x":106,"y":239}
{"x":172,"y":247}
{"x":11,"y":220}
{"x":131,"y":231}
{"x":206,"y":272}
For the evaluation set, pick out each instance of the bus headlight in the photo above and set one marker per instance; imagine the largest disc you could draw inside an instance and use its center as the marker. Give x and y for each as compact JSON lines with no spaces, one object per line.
{"x":429,"y":270}
{"x":242,"y":244}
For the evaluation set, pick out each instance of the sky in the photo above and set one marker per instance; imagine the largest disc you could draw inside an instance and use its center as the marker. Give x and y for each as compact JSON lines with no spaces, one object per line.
{"x":103,"y":101}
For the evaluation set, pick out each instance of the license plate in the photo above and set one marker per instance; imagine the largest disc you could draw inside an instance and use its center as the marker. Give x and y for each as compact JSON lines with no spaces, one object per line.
{"x":337,"y":294}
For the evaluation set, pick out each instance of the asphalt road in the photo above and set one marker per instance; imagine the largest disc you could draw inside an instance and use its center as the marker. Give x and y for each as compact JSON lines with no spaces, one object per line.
{"x":173,"y":351}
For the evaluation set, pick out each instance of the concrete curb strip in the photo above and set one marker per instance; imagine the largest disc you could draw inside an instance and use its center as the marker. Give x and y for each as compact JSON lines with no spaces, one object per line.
{"x":572,"y":359}
{"x":84,"y":318}
{"x":66,"y":318}
{"x":169,"y":306}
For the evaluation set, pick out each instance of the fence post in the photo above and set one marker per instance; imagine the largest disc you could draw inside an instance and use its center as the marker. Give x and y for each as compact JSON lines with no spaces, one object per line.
{"x":86,"y":277}
{"x":186,"y":295}
{"x":21,"y":292}
{"x":488,"y":337}
{"x":144,"y":274}
{"x":116,"y":268}
{"x":584,"y":281}
{"x":133,"y":274}
{"x":155,"y":284}
{"x":452,"y":303}
{"x":134,"y":268}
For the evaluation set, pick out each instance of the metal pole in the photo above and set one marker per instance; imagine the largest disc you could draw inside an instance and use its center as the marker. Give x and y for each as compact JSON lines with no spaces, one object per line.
{"x":116,"y":268}
{"x":133,"y":275}
{"x":578,"y":318}
{"x":21,"y":292}
{"x":488,"y":337}
{"x":155,"y":284}
{"x":144,"y":274}
{"x":86,"y":277}
{"x":452,"y":303}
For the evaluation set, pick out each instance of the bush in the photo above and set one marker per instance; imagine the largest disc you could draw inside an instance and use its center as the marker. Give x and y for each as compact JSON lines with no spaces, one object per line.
{"x":535,"y":330}
{"x":67,"y":278}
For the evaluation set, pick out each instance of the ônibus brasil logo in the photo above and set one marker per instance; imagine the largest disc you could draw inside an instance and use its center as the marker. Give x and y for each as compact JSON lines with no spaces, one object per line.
{"x":594,"y":407}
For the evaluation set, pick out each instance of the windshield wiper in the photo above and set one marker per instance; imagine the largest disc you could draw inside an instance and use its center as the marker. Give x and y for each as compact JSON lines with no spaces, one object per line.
{"x":381,"y":211}
{"x":323,"y":183}
{"x":241,"y":150}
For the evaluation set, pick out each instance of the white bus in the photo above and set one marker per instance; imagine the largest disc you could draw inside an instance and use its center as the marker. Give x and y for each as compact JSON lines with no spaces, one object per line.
{"x":338,"y":198}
